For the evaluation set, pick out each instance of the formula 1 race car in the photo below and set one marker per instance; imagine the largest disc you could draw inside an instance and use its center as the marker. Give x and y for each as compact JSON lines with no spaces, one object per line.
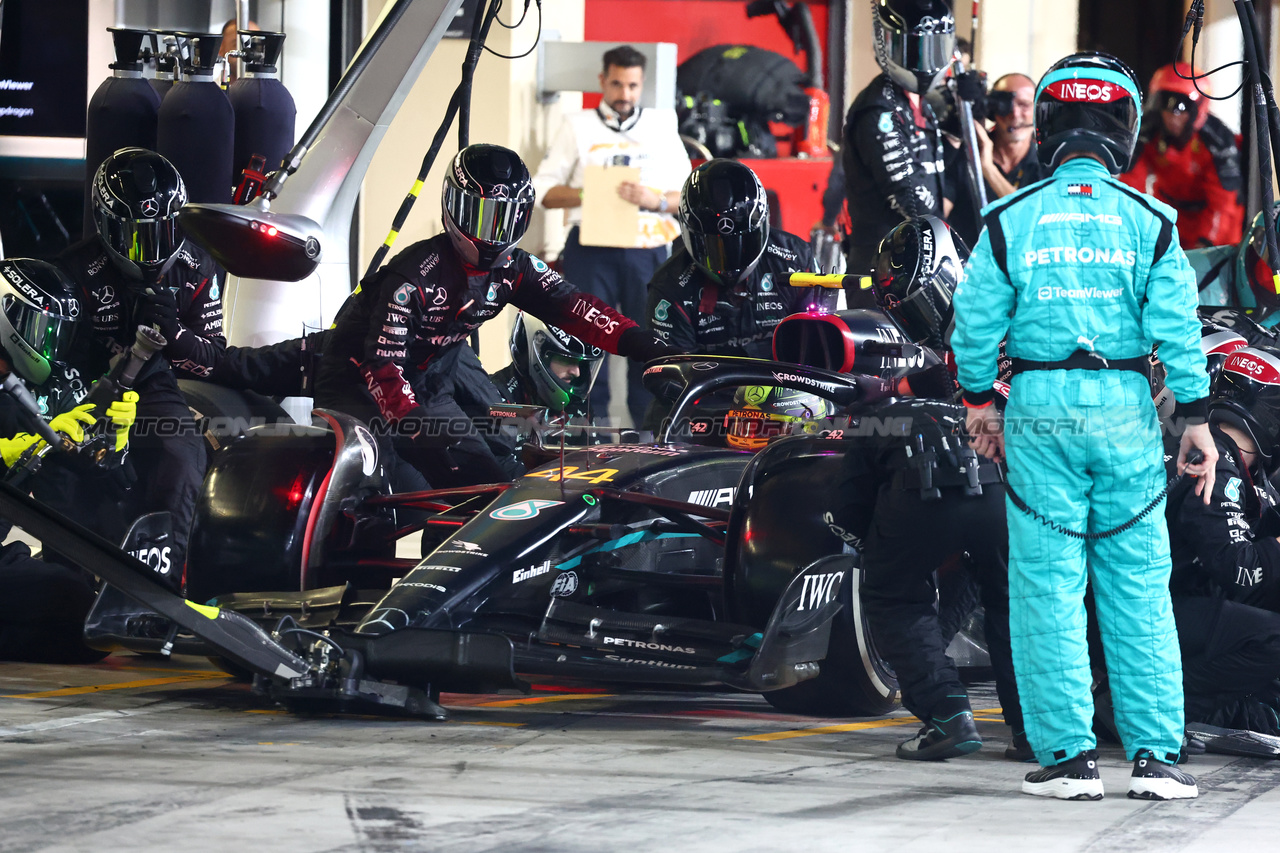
{"x":673,"y":563}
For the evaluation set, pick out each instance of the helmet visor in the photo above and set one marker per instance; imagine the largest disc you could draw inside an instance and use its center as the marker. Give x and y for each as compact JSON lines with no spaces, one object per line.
{"x":48,"y":334}
{"x":500,"y":221}
{"x":145,"y":242}
{"x":924,"y":53}
{"x":728,"y":255}
{"x":924,"y":315}
{"x":568,"y":378}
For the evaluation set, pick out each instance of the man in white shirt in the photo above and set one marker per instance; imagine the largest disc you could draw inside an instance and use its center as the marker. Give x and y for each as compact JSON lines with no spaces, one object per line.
{"x":618,"y":132}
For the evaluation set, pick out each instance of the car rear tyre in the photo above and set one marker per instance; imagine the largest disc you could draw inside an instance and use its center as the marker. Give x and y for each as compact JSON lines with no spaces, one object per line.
{"x":853,"y":680}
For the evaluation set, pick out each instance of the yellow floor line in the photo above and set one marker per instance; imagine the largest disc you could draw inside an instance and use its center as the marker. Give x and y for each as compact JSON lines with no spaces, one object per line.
{"x":847,"y":727}
{"x":539,"y":700}
{"x":120,"y":685}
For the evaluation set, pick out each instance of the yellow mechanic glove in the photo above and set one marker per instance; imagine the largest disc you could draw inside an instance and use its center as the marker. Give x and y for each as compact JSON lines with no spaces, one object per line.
{"x":12,"y":448}
{"x":71,"y":424}
{"x":123,"y":413}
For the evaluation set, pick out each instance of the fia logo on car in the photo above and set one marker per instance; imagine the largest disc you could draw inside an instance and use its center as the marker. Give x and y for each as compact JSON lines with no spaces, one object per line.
{"x":565,"y":585}
{"x":818,"y":590}
{"x":523,"y":510}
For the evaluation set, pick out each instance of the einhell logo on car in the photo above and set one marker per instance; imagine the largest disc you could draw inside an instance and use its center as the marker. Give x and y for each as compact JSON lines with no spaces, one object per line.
{"x":818,"y":590}
{"x":713,"y":497}
{"x":1085,"y":91}
{"x":532,"y":572}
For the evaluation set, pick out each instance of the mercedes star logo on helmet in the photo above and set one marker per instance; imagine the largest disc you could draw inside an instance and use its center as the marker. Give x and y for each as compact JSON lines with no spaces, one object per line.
{"x":725,"y":225}
{"x":150,"y":207}
{"x":500,"y":191}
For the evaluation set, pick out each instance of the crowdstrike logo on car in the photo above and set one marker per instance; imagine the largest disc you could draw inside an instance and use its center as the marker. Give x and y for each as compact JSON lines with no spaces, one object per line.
{"x":1082,"y":255}
{"x":641,"y":644}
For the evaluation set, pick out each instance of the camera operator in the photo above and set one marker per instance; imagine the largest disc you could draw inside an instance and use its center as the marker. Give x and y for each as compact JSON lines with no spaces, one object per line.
{"x":1007,"y":153}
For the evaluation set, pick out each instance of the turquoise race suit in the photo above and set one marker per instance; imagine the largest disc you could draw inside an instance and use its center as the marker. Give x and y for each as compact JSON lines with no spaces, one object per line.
{"x":1085,"y":275}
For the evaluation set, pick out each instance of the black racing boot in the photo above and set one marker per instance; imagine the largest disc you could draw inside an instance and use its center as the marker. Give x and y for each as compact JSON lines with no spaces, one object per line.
{"x":1153,"y":779}
{"x":1074,"y":779}
{"x":1019,"y":748}
{"x":949,"y":733}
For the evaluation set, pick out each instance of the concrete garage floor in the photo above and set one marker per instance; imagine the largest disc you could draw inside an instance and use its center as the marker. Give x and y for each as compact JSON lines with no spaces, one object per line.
{"x":143,"y":754}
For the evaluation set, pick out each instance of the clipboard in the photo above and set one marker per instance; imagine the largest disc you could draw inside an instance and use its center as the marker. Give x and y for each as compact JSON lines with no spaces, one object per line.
{"x":607,"y":218}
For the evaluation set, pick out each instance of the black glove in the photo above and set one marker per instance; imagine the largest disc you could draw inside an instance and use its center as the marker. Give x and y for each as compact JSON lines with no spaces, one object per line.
{"x":427,"y":431}
{"x":971,"y":86}
{"x":639,"y":345}
{"x":160,"y":309}
{"x":934,"y":382}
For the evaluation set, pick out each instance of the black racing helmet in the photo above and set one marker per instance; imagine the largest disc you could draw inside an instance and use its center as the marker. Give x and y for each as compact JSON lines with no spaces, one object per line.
{"x":488,"y":202}
{"x":136,"y":198}
{"x":1247,"y":396}
{"x":914,"y":41}
{"x":38,"y":313}
{"x":724,"y":218}
{"x":536,"y":347}
{"x":1090,"y":103}
{"x":917,"y":268}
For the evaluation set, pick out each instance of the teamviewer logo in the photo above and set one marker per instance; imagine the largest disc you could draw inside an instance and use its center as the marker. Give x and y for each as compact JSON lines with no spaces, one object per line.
{"x":1045,"y":293}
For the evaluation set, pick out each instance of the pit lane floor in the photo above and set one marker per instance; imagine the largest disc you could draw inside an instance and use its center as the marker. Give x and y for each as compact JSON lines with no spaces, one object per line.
{"x":146,"y":754}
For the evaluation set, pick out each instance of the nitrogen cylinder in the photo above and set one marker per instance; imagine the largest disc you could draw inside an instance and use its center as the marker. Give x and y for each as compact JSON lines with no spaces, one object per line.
{"x":196,"y":127}
{"x":122,"y":112}
{"x":264,"y":110}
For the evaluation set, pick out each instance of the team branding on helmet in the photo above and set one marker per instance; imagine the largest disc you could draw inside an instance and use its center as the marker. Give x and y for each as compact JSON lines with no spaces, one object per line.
{"x":1084,"y":218}
{"x":1085,"y":90}
{"x":1222,"y":343}
{"x":1258,"y":366}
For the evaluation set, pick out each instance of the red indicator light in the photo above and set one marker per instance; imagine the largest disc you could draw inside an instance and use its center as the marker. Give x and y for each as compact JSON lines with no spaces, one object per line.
{"x":271,"y":231}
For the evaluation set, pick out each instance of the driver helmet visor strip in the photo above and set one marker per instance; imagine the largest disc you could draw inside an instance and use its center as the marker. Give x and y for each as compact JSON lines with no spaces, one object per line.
{"x":926,"y":314}
{"x":920,"y":52}
{"x":497,"y":221}
{"x":729,"y":254}
{"x":145,"y":242}
{"x":48,"y":334}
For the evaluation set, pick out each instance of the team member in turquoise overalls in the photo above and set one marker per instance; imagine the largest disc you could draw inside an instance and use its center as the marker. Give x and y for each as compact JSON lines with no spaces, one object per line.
{"x":1084,"y":275}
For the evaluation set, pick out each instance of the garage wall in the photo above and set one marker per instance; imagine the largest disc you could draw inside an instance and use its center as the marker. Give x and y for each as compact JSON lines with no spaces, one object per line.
{"x":504,"y":111}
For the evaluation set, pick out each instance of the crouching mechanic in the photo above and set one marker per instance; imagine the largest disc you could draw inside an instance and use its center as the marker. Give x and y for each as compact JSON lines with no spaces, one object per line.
{"x":1084,"y":275}
{"x":43,"y":609}
{"x":1238,"y":276}
{"x":1226,"y":555}
{"x":384,"y":360}
{"x":892,"y":487}
{"x":139,"y":270}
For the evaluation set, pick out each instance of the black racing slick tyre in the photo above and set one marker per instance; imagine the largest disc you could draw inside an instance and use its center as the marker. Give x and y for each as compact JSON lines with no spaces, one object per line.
{"x":853,"y":680}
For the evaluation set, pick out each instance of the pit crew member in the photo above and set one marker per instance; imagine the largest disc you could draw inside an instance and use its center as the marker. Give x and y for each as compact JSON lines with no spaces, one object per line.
{"x":140,"y":270}
{"x":1084,"y":275}
{"x":379,"y":360}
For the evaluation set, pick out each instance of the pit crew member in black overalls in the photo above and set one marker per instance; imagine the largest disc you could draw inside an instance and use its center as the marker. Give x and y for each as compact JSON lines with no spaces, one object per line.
{"x":893,"y":156}
{"x":1226,"y":557}
{"x":140,"y":270}
{"x":44,"y":604}
{"x":727,"y":286}
{"x":892,"y":487}
{"x":383,"y":359}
